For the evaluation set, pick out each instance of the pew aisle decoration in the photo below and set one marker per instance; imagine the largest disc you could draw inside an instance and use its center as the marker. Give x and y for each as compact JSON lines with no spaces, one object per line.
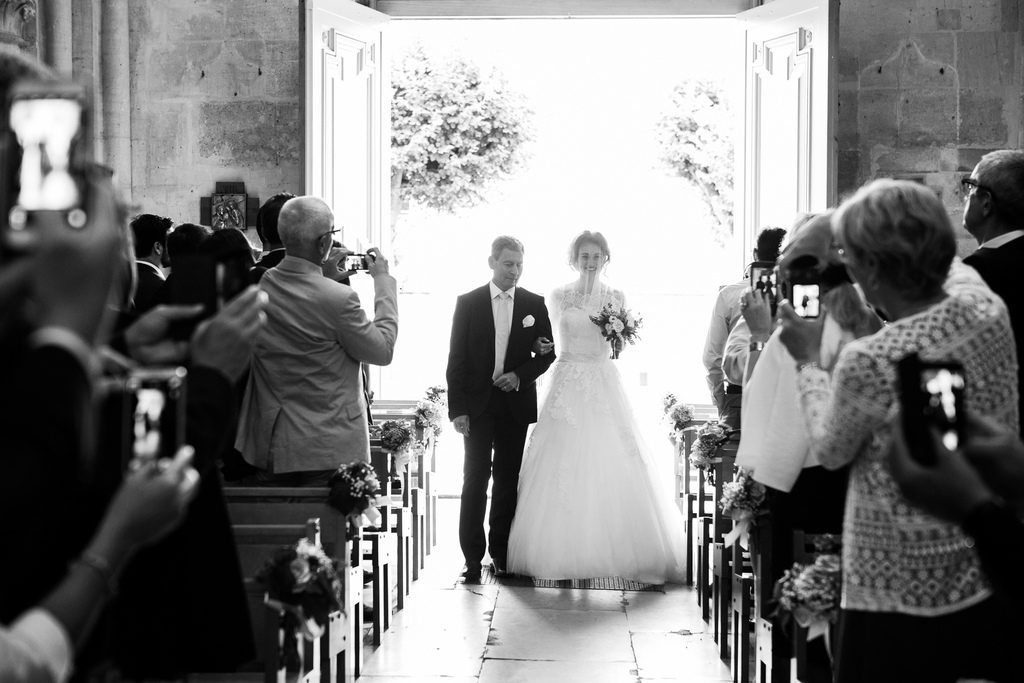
{"x":437,"y":394}
{"x":742,"y":499}
{"x":709,"y":438}
{"x":355,"y":491}
{"x":678,"y":416}
{"x":303,"y":586}
{"x":618,"y":326}
{"x":430,"y":417}
{"x":809,"y":593}
{"x":396,"y":438}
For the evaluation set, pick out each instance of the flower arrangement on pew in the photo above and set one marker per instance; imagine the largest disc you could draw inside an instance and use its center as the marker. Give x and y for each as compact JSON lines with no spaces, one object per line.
{"x":677,"y":415}
{"x":396,"y":438}
{"x":809,"y":593}
{"x":742,"y":499}
{"x":618,"y":326}
{"x":430,"y":417}
{"x":437,"y":394}
{"x":709,"y":438}
{"x":355,"y":491}
{"x":303,"y":587}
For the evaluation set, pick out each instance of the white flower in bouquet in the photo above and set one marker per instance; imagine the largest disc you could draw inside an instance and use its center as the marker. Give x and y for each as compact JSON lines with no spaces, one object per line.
{"x":617,"y":324}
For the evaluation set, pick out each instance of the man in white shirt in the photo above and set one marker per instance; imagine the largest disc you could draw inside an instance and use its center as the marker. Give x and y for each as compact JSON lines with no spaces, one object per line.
{"x":994,"y":215}
{"x":726,"y":392}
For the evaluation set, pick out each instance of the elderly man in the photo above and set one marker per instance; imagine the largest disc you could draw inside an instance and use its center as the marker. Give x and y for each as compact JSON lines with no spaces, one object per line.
{"x":994,"y":215}
{"x":304,"y":411}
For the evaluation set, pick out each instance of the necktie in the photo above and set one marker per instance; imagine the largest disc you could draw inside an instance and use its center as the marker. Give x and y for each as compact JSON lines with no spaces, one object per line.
{"x":502,"y":323}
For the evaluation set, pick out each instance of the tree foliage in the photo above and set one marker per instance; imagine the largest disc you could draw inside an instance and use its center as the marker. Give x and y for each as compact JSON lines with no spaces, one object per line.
{"x":454,"y":131}
{"x":696,"y":139}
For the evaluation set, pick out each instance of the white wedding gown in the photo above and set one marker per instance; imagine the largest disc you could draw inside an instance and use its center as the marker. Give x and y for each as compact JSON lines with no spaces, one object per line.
{"x":590,"y":503}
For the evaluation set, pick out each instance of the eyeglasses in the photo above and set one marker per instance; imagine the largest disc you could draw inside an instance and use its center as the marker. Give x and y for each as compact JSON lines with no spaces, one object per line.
{"x":332,"y":231}
{"x":971,"y":185}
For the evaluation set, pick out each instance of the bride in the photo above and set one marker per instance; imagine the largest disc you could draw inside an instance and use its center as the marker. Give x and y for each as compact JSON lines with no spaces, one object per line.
{"x":590,"y":501}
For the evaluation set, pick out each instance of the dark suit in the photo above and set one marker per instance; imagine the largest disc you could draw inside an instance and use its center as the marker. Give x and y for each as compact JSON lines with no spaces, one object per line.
{"x":147,"y":291}
{"x":999,"y":268}
{"x":270,"y":260}
{"x":498,"y":420}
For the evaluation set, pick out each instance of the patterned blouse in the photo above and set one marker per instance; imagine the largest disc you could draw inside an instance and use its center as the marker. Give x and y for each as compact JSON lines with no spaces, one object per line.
{"x":897,"y":558}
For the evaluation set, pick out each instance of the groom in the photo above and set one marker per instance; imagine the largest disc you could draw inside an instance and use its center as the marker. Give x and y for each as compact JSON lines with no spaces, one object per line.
{"x":492,"y":398}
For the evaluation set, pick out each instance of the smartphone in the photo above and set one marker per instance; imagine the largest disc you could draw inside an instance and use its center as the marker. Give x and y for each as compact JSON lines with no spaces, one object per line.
{"x":764,"y":278}
{"x":44,"y":152}
{"x":203,"y":279}
{"x":356,"y":262}
{"x":155,"y":412}
{"x":932,"y":396}
{"x":805,"y":300}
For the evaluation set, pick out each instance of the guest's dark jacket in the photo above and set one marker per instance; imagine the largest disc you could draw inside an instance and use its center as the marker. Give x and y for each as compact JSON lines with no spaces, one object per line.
{"x":1001,"y":269}
{"x":270,"y":260}
{"x":471,"y":354}
{"x":147,"y":292}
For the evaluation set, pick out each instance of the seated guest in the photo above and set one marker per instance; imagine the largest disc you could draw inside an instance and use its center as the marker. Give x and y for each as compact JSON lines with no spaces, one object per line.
{"x":304,"y":411}
{"x":228,"y":242}
{"x":726,"y":395}
{"x":915,"y":603}
{"x":183,"y":240}
{"x":266,"y":228}
{"x":150,"y":236}
{"x":994,"y":215}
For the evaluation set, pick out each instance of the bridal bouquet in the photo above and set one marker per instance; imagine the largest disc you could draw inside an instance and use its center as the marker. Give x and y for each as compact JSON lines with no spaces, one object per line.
{"x":709,"y":438}
{"x":303,"y":586}
{"x":354,"y":491}
{"x":809,"y":593}
{"x":618,"y":326}
{"x":741,"y":499}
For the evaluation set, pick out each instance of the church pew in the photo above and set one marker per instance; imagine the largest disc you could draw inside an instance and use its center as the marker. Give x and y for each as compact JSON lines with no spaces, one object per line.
{"x":807,"y":670}
{"x":772,"y":647}
{"x":721,"y":556}
{"x":742,"y":614}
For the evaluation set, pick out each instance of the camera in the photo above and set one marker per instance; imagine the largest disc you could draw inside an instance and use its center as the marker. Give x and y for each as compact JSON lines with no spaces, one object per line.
{"x":155,"y":412}
{"x":932,"y":396}
{"x":806,"y":300}
{"x":43,"y":152}
{"x":357,"y":262}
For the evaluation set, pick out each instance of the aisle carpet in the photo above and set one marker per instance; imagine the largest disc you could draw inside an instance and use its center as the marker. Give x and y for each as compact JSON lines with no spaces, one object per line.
{"x":612,"y":583}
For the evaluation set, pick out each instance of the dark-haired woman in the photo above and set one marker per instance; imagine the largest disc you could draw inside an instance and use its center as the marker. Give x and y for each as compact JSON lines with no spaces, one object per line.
{"x":590,"y":501}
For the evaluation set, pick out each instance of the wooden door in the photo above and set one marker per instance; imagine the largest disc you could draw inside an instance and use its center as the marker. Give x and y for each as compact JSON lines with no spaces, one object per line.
{"x":348,"y":113}
{"x":786,"y":153}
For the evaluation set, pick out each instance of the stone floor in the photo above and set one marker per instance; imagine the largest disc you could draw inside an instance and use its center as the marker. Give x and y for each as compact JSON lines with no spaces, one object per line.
{"x":450,"y":632}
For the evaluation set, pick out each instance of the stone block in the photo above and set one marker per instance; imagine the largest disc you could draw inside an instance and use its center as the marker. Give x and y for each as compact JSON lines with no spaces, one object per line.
{"x":848,"y":172}
{"x":876,"y":115}
{"x":947,"y":186}
{"x":274,"y":67}
{"x":968,"y":157}
{"x":1012,"y":17}
{"x":250,"y":133}
{"x":175,"y":69}
{"x":262,"y":20}
{"x":888,"y":17}
{"x":987,"y":60}
{"x":947,"y":19}
{"x":847,"y":133}
{"x":926,"y":116}
{"x":982,"y":15}
{"x":923,"y":60}
{"x":949,"y":159}
{"x":904,"y":160}
{"x":982,"y":120}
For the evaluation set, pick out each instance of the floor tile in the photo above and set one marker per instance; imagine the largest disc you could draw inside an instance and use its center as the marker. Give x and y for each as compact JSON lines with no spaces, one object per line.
{"x":519,"y":671}
{"x":672,"y":612}
{"x":547,"y":634}
{"x":670,"y":655}
{"x":517,"y":597}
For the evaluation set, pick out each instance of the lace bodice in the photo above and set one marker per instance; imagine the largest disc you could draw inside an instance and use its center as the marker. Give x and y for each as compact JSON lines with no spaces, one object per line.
{"x":578,"y":339}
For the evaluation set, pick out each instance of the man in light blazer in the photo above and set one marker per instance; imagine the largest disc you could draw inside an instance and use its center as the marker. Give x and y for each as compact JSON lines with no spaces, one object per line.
{"x":304,"y":410}
{"x":492,"y":397}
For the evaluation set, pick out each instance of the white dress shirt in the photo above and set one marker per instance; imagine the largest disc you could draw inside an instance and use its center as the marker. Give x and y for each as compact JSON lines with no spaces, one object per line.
{"x":501,"y":308}
{"x":35,"y":648}
{"x":999,"y":241}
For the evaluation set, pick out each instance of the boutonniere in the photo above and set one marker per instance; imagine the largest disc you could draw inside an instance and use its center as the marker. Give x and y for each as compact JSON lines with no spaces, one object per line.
{"x":528,"y":321}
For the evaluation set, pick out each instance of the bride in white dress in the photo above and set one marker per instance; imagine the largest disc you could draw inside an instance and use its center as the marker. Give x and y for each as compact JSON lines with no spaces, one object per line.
{"x":590,"y":500}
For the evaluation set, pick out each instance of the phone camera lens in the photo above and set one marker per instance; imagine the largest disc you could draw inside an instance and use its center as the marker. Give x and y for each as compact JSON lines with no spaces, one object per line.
{"x":77,"y":218}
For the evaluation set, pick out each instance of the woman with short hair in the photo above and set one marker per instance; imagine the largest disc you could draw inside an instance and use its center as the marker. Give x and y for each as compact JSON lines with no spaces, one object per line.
{"x":915,"y":604}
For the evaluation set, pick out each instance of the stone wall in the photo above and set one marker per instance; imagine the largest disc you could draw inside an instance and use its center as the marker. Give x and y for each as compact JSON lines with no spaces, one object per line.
{"x":926,"y":88}
{"x":216,"y":94}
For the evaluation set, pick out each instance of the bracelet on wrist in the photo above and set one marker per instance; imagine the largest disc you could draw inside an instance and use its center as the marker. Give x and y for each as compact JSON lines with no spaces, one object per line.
{"x":100,"y":566}
{"x":811,"y":365}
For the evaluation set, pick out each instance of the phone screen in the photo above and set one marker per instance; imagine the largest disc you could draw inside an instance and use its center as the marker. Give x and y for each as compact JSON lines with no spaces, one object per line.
{"x":356,"y":262}
{"x":805,"y":300}
{"x":156,"y":413}
{"x":45,"y":129}
{"x":943,"y":389}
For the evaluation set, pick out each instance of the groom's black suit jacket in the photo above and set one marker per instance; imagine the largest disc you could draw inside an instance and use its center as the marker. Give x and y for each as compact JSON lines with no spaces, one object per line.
{"x":471,"y":354}
{"x":1000,"y":268}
